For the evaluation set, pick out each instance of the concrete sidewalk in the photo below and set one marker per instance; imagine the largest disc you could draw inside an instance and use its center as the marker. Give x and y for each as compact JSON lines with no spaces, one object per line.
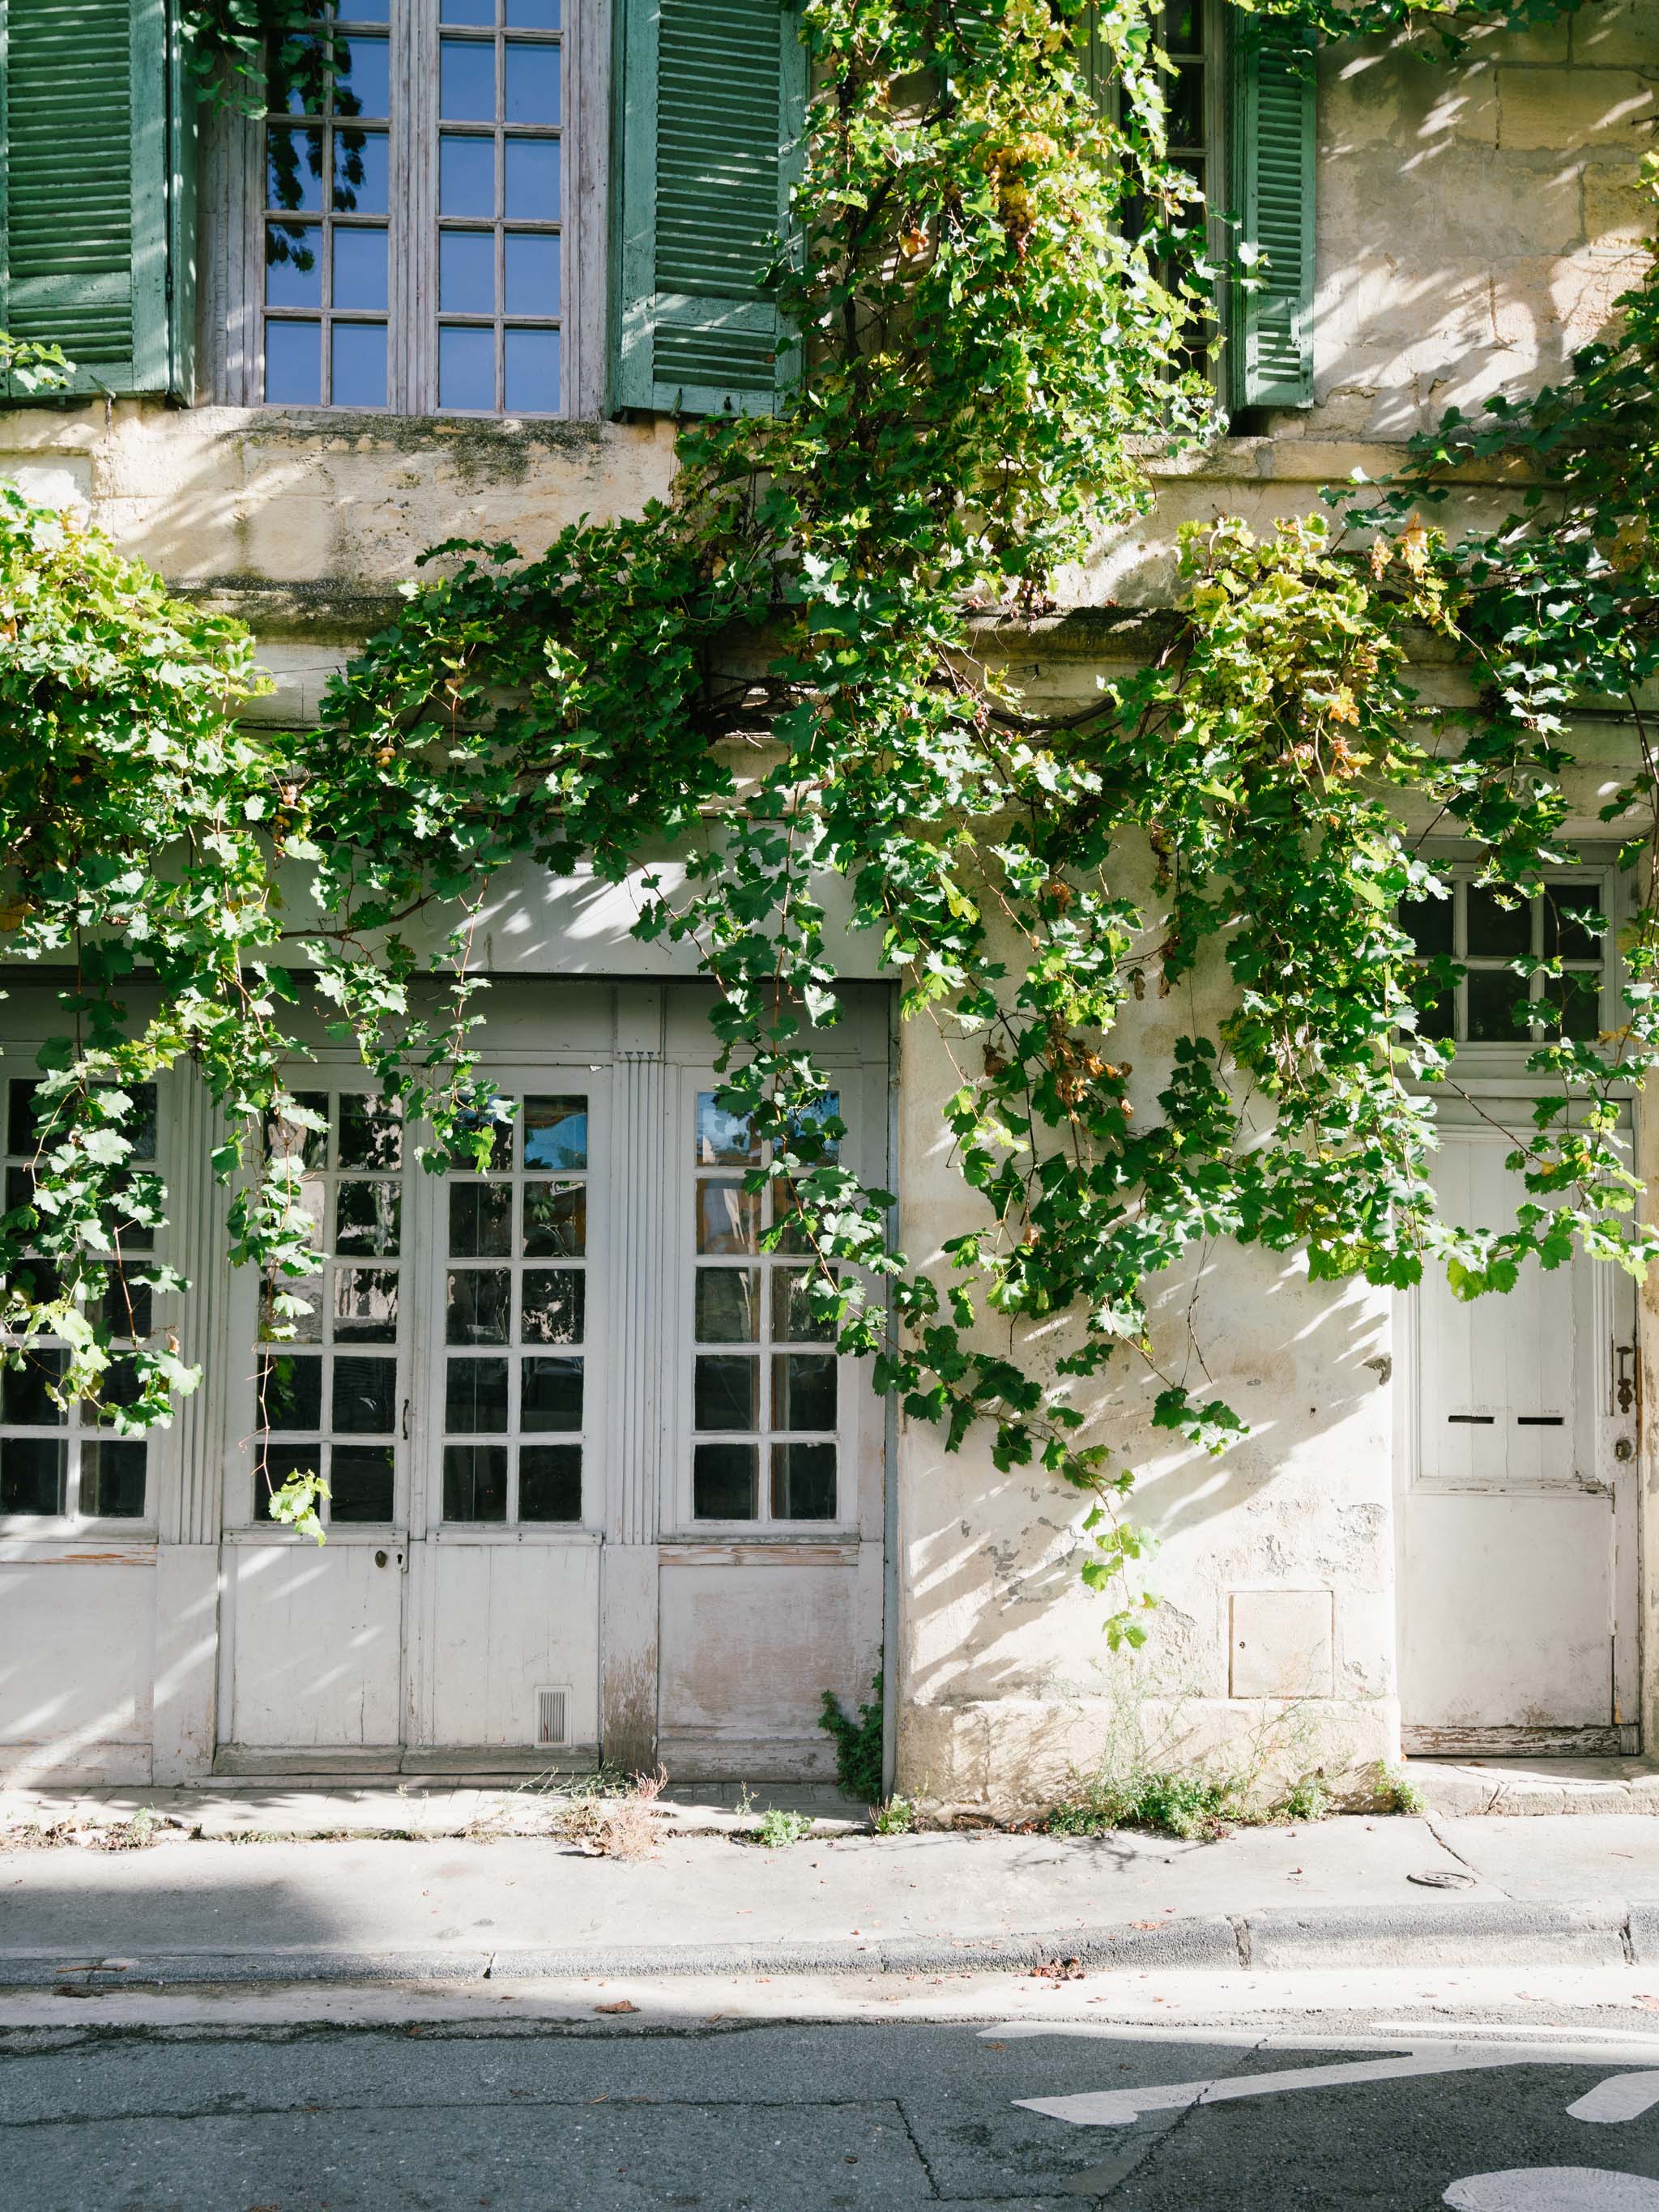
{"x":1562,"y":1890}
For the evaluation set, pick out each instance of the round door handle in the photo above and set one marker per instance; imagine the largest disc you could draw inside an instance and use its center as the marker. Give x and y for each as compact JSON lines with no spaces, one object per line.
{"x":1624,"y":1449}
{"x":379,"y":1558}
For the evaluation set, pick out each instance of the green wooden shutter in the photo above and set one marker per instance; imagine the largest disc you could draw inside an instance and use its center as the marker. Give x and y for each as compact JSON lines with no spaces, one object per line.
{"x":1271,"y":129}
{"x":97,"y":159}
{"x":709,"y":101}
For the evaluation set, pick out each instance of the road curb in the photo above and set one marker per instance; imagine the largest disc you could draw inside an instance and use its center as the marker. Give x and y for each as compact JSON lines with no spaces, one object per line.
{"x":1482,"y":1935}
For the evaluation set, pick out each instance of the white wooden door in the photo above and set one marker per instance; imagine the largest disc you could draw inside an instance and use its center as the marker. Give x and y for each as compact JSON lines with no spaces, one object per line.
{"x":510,"y":1435}
{"x":1516,"y":1507}
{"x":311,"y":1639}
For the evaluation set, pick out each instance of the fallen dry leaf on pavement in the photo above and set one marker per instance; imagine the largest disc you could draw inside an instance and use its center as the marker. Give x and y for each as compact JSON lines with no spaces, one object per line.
{"x":621,"y":2005}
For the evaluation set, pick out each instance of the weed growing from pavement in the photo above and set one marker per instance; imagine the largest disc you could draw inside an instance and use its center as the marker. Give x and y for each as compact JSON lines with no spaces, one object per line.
{"x":779,"y":1829}
{"x":617,"y":1825}
{"x":896,"y":1817}
{"x":1395,"y":1793}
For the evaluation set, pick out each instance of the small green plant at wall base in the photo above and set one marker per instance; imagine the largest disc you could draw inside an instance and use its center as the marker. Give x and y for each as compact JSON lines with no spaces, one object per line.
{"x":778,"y":1829}
{"x":896,"y":1817}
{"x":1394,"y":1792}
{"x":1189,"y":1806}
{"x":858,"y":1745}
{"x":1308,"y":1799}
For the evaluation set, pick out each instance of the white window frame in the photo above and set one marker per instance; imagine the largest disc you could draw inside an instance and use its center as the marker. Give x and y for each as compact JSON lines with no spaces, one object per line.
{"x":1613,"y":888}
{"x":518,"y":1081}
{"x":18,"y":1063}
{"x":862,"y":1093}
{"x":231,"y":299}
{"x":246,"y":1492}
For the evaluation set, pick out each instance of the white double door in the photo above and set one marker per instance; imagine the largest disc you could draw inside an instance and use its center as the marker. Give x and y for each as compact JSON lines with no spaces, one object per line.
{"x":546,"y":1484}
{"x":1517,"y":1532}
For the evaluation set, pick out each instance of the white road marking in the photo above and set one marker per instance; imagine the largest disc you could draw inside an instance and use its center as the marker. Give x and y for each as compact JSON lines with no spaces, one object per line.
{"x":1620,"y":2097}
{"x":1553,"y":2189}
{"x":1117,"y":2108}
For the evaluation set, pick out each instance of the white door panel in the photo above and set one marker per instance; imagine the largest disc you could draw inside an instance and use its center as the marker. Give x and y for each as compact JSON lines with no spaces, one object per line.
{"x":318,"y":1639}
{"x":1510,"y":1617}
{"x":507,"y":1622}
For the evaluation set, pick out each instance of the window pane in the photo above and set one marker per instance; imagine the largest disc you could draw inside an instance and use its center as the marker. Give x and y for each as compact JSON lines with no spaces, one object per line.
{"x":1186,"y":99}
{"x":467,"y":175}
{"x":297,"y":82}
{"x":290,"y":1391}
{"x":275,"y":1464}
{"x":305,"y":1328}
{"x":1428,"y":923}
{"x":552,"y":1306}
{"x":359,"y":272}
{"x":475,"y":1397}
{"x":728,"y":1217}
{"x":466,"y":80}
{"x":723,"y":1482}
{"x":22,"y":1121}
{"x":804,"y":1482}
{"x":371,"y":1132}
{"x":362,"y":173}
{"x":127,"y":1309}
{"x":294,"y":265}
{"x":555,"y":1133}
{"x":294,"y":364}
{"x":726,"y":1392}
{"x":359,"y":372}
{"x":1573,"y":1003}
{"x":25,"y":1401}
{"x":530,"y":368}
{"x":112,"y":1482}
{"x":365,"y":1396}
{"x":793,"y":1322}
{"x":294,"y":169}
{"x":555,"y":1220}
{"x":466,"y":369}
{"x":466,"y":272}
{"x":550,"y":1394}
{"x":363,"y":76}
{"x":32,"y":1475}
{"x":804,"y":1390}
{"x":475,"y":1482}
{"x":478,"y":1306}
{"x":806,"y":1128}
{"x":481,"y":13}
{"x":532,"y":274}
{"x":533,"y":15}
{"x":723,"y":1139}
{"x":1494,"y":993}
{"x":551,"y":1482}
{"x":1436,"y":1004}
{"x":290,"y":1138}
{"x":531,"y":180}
{"x":361,"y":1482}
{"x":366,"y":1305}
{"x":1497,"y":931}
{"x":368,"y":1217}
{"x":728,"y":1304}
{"x":532,"y":82}
{"x":480,"y":1220}
{"x":1564,"y":933}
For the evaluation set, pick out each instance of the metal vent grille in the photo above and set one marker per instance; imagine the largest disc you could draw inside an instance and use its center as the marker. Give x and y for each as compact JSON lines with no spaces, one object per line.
{"x":552,"y":1727}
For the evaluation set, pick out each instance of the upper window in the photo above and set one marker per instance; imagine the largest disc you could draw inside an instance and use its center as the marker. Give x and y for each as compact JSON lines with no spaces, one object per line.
{"x":1478,"y":982}
{"x":412,"y":213}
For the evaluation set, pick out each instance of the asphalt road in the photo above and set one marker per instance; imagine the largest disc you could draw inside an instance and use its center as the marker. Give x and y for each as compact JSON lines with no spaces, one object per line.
{"x":619,"y":2114}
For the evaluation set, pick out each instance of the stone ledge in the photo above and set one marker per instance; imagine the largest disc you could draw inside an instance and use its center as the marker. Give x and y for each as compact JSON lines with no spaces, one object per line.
{"x":1535,"y":1789}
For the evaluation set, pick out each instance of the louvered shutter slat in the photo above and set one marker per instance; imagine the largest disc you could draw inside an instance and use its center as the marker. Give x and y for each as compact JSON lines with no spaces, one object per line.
{"x":1273,"y":146}
{"x":94,"y":149}
{"x":711,"y":93}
